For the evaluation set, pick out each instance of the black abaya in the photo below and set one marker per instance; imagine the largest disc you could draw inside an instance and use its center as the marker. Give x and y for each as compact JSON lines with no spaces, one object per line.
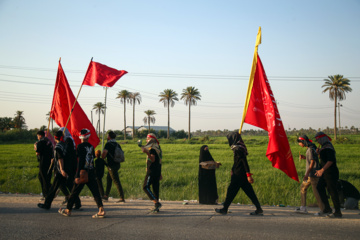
{"x":207,"y":180}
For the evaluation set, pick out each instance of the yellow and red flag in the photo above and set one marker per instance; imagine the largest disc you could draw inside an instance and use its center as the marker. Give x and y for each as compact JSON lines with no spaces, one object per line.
{"x":260,"y":110}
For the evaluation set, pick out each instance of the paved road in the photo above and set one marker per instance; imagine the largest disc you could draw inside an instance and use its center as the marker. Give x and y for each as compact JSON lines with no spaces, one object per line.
{"x":20,"y":218}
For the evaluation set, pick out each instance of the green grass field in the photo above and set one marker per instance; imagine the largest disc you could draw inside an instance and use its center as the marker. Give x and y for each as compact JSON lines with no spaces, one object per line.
{"x":19,"y":170}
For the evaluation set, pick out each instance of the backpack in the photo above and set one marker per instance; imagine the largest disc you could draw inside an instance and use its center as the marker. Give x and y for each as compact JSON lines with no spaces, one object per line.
{"x":119,"y":155}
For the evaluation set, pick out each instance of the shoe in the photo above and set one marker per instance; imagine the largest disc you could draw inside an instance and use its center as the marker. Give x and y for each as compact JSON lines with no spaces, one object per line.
{"x":301,"y":209}
{"x":41,"y":205}
{"x":321,"y":213}
{"x":98,"y":216}
{"x":335,"y":215}
{"x":221,"y":211}
{"x":157,"y":207}
{"x":105,"y":198}
{"x":63,"y":212}
{"x":121,"y":201}
{"x":78,"y":208}
{"x":257,"y":212}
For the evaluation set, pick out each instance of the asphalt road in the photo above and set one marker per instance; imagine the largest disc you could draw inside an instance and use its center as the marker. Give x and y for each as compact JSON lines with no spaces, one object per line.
{"x":20,"y":218}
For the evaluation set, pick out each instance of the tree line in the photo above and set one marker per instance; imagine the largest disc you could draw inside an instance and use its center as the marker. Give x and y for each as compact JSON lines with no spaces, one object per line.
{"x":168,"y":97}
{"x":337,"y":86}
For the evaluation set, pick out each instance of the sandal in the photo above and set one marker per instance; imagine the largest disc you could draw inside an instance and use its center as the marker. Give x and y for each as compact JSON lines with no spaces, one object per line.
{"x":63,"y":212}
{"x":98,"y":216}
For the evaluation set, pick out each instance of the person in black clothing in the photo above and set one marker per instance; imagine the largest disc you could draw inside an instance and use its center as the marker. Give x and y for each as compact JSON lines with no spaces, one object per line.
{"x":86,"y":154}
{"x":99,"y":170}
{"x":349,"y":192}
{"x":113,"y":167}
{"x":329,"y":175}
{"x":153,"y":169}
{"x":240,"y":175}
{"x":207,"y":180}
{"x":59,"y":169}
{"x":44,"y":153}
{"x":70,"y":165}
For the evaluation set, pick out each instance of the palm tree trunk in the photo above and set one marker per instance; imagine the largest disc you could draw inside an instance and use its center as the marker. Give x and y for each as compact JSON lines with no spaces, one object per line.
{"x":99,"y":123}
{"x":133,"y":120}
{"x":124,"y":119}
{"x":168,"y":132}
{"x":335,"y":115}
{"x":189,"y":120}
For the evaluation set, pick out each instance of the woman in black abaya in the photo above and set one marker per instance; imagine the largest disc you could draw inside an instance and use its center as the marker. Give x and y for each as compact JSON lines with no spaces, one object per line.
{"x":207,"y":179}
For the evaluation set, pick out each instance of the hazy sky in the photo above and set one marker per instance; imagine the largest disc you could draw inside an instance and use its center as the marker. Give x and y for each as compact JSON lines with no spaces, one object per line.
{"x":207,"y":44}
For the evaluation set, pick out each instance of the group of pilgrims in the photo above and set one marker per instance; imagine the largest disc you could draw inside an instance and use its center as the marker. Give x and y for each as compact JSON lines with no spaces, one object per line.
{"x":70,"y":163}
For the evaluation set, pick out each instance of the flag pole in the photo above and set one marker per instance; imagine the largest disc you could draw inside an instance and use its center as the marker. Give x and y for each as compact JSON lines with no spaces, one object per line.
{"x":104,"y":120}
{"x":251,"y":80}
{"x":51,"y":109}
{"x":72,"y":109}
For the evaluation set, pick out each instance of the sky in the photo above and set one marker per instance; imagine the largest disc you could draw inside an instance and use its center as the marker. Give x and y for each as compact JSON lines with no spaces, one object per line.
{"x":175,"y":44}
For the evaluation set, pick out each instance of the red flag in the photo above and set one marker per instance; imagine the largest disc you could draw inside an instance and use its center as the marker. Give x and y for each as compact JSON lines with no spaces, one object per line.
{"x":63,"y":101}
{"x":263,"y":113}
{"x":102,"y":75}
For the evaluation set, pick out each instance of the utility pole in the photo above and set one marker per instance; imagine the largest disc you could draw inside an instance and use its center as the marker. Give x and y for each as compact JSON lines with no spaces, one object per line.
{"x":339,"y":105}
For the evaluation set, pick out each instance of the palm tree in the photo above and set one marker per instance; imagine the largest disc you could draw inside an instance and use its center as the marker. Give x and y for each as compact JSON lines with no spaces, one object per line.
{"x":190,"y":95}
{"x":124,"y":96}
{"x":337,"y":86}
{"x":168,"y":97}
{"x":149,"y":117}
{"x":134,"y":97}
{"x":6,"y":123}
{"x":52,"y":120}
{"x":19,"y":119}
{"x":100,"y":108}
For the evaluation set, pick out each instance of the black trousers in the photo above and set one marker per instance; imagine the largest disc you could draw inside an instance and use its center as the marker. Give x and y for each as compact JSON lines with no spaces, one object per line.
{"x":100,"y":185}
{"x":59,"y":180}
{"x":236,"y":183}
{"x":92,"y":185}
{"x":113,"y":175}
{"x":329,"y":181}
{"x":155,"y":182}
{"x":45,"y":181}
{"x":67,"y":188}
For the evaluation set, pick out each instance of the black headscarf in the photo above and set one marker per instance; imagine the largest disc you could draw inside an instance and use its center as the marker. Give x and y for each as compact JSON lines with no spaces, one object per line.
{"x":324,"y":140}
{"x":205,"y":154}
{"x":306,"y":141}
{"x":236,"y":142}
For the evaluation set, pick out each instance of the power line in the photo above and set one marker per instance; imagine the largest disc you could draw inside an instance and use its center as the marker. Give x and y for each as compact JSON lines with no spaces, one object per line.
{"x":176,"y":75}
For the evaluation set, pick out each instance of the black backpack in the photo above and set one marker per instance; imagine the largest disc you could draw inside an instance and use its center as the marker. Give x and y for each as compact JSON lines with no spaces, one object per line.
{"x":119,"y":155}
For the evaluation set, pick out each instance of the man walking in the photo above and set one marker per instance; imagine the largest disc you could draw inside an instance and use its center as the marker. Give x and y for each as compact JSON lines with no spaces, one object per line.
{"x":113,"y":167}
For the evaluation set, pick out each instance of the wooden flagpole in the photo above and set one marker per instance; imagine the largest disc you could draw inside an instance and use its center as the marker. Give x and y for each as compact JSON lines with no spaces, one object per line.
{"x":104,"y":120}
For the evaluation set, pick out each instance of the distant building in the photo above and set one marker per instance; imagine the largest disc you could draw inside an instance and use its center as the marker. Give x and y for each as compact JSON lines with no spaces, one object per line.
{"x":129,"y":129}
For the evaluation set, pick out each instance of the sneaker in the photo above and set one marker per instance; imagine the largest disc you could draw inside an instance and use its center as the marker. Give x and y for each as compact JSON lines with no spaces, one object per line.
{"x":321,"y":213}
{"x":221,"y":211}
{"x":157,"y":207}
{"x":121,"y":201}
{"x":301,"y":209}
{"x":335,"y":215}
{"x":41,"y":205}
{"x":258,"y":212}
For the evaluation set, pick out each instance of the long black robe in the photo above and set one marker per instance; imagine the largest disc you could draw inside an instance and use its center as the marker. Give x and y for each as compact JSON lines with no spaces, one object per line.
{"x":207,"y":180}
